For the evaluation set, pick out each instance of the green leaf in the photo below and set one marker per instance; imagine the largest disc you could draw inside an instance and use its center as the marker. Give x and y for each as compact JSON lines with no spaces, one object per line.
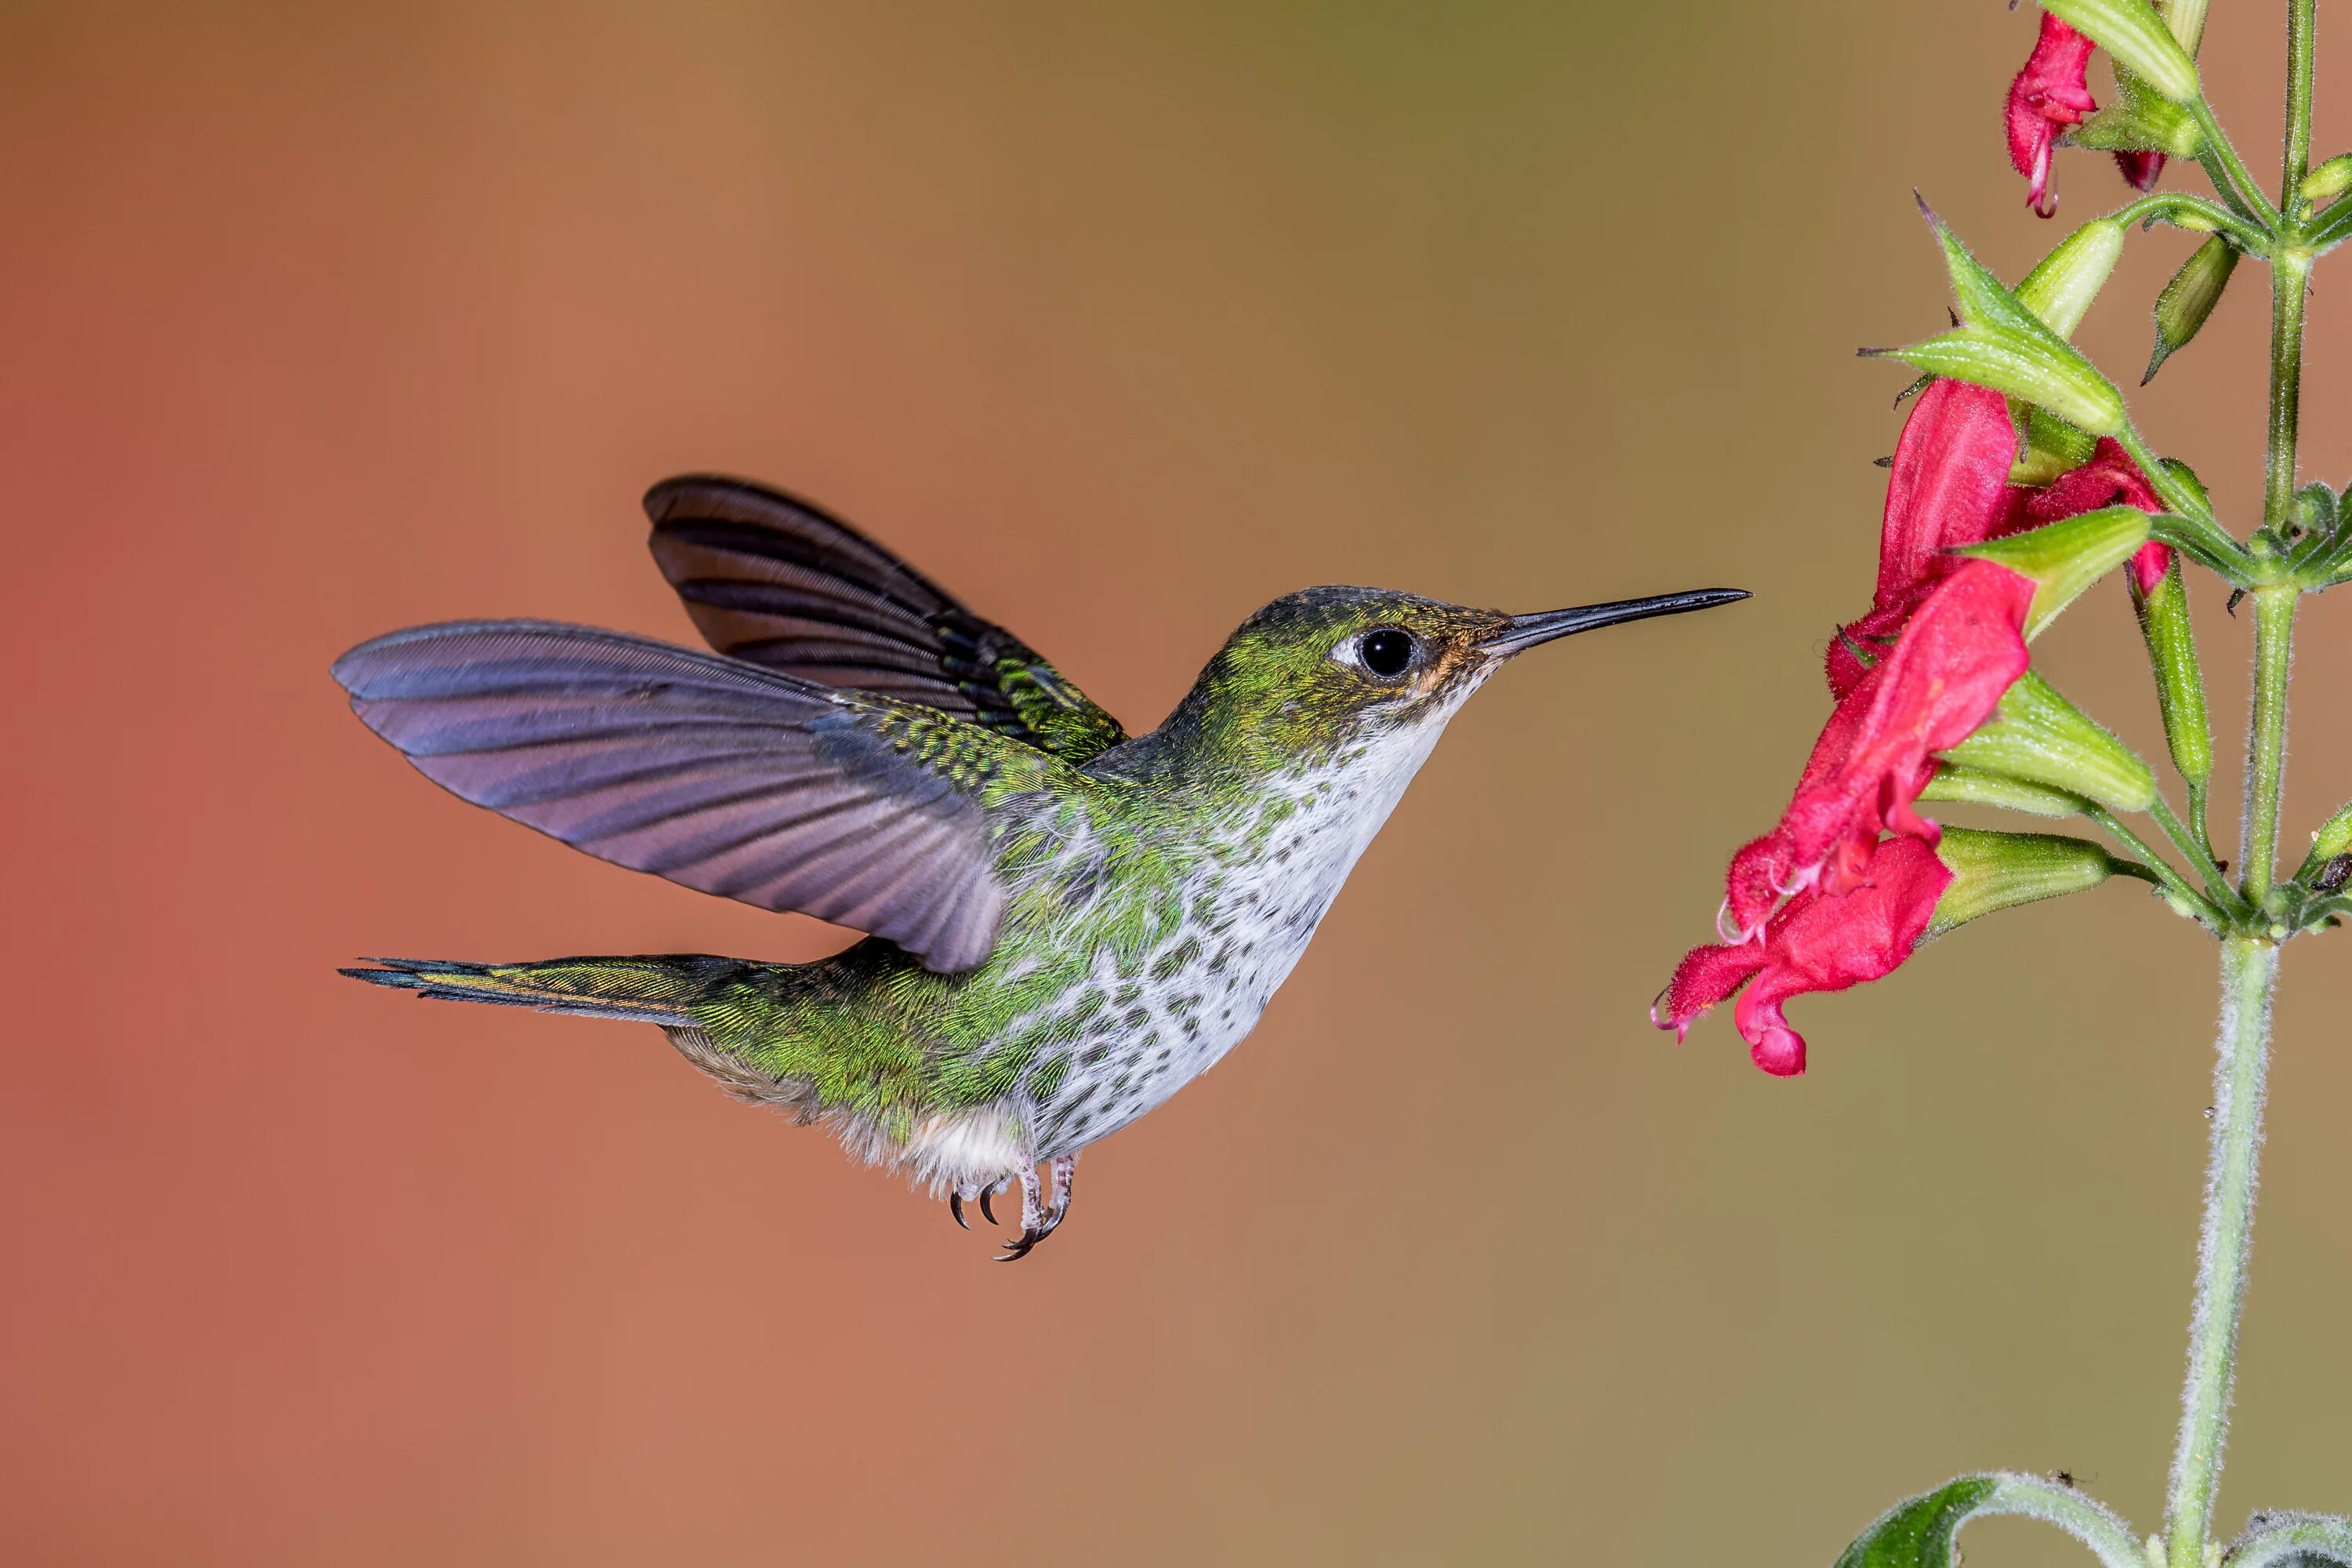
{"x":1919,"y":1533}
{"x":2065,"y":557}
{"x":2136,"y":36}
{"x":2039,"y":737}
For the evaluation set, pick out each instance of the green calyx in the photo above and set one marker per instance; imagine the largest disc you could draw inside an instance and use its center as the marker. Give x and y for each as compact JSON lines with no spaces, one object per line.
{"x":2182,"y":308}
{"x":2066,"y":557}
{"x":2053,"y":447}
{"x":2036,"y":736}
{"x":2003,"y":344}
{"x":2179,"y":679}
{"x":1967,"y":787}
{"x":2328,"y":180}
{"x":1996,"y":871}
{"x":2132,"y":32}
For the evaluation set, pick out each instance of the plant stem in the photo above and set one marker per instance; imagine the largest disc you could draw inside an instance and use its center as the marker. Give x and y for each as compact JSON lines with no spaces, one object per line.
{"x":2249,"y":973}
{"x":2301,"y":20}
{"x":2229,"y":172}
{"x":2192,"y":844}
{"x":2290,"y":274}
{"x":2266,"y":753}
{"x":2164,"y":872}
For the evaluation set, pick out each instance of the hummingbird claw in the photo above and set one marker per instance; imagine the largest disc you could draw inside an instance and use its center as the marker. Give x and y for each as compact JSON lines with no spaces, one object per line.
{"x":1019,"y":1249}
{"x":986,"y":1212}
{"x":955,"y":1208}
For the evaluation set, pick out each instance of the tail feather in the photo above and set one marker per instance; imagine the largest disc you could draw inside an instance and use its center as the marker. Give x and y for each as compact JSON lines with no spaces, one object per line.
{"x":635,"y":990}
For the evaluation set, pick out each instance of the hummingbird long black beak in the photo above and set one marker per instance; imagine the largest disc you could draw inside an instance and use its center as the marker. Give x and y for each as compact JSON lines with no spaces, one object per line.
{"x":1525,"y":632}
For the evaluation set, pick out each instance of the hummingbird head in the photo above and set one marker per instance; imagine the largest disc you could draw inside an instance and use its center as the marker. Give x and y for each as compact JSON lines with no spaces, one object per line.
{"x":1329,"y":671}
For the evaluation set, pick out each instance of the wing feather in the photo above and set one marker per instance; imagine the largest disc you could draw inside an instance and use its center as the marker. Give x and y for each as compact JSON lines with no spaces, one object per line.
{"x":723,"y":777}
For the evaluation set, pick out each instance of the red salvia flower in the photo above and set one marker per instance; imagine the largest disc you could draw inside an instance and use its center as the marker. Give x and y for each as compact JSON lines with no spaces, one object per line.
{"x":2109,"y":479}
{"x":1963,"y":648}
{"x":1818,"y":942}
{"x":2048,"y":95}
{"x":1943,"y":638}
{"x":1947,"y":487}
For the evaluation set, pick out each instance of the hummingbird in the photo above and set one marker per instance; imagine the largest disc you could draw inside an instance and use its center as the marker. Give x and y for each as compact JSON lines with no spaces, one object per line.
{"x":1064,"y":923}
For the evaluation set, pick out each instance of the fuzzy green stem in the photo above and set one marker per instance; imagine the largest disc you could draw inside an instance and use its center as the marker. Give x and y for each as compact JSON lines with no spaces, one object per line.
{"x":2176,"y":495}
{"x":2266,"y":753}
{"x":2173,"y":206}
{"x":2229,"y":172}
{"x":2302,"y":19}
{"x":2249,"y":973}
{"x":2290,"y":274}
{"x":2163,"y":872}
{"x":2193,"y":845}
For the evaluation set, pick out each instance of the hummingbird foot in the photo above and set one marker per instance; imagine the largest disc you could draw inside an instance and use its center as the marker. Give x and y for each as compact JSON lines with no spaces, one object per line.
{"x":1063,"y":1172}
{"x":1034,"y":1228}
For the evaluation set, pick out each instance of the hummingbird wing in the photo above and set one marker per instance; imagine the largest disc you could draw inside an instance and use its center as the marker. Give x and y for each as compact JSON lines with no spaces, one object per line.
{"x":715,"y":774}
{"x":778,"y":581}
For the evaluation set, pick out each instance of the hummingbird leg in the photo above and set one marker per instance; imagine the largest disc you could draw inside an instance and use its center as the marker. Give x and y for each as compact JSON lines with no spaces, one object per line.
{"x":1064,"y":1172}
{"x":1033,"y":1220}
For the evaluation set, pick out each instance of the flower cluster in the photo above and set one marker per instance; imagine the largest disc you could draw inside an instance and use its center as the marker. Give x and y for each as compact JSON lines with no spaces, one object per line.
{"x":1844,"y":885}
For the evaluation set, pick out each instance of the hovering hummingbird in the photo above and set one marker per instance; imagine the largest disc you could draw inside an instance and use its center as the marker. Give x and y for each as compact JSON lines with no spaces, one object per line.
{"x":1066,"y":924}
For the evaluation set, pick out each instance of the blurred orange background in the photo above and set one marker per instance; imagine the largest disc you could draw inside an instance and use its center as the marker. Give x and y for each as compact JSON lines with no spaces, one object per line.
{"x":319,"y":321}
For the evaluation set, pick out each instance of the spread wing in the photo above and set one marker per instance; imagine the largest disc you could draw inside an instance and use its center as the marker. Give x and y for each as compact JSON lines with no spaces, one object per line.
{"x":721,"y":775}
{"x":777,"y":582}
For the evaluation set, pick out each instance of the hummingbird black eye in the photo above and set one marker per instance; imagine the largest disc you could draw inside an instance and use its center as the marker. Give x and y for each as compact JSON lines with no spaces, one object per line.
{"x":1387,"y":652}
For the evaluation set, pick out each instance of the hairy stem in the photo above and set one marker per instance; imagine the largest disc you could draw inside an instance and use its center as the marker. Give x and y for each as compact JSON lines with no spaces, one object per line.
{"x":2249,"y":973}
{"x":2193,"y":845}
{"x":2229,"y":172}
{"x":2159,"y":868}
{"x":2266,"y":752}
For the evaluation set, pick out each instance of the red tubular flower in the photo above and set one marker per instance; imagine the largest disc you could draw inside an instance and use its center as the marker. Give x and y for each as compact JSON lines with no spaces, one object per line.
{"x":2048,"y":94}
{"x":1947,"y":487}
{"x":1963,"y":648}
{"x":1819,"y":942}
{"x":2109,"y":479}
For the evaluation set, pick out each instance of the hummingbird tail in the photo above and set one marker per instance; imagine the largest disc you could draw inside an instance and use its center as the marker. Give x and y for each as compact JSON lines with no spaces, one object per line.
{"x":635,"y":990}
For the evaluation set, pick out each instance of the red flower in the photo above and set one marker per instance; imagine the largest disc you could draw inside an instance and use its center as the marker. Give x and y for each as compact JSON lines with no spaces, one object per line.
{"x":2048,"y":94}
{"x":1947,"y":487}
{"x":1963,"y":648}
{"x":2109,"y":479}
{"x":1819,"y":942}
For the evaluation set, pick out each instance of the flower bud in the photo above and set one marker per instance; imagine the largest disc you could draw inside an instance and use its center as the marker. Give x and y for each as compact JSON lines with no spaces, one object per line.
{"x":2333,"y":837}
{"x":1967,"y":787}
{"x":1995,"y":871}
{"x":2328,"y":180}
{"x":2180,"y":681}
{"x":2068,"y":556}
{"x":2132,"y":32}
{"x":2038,"y":736}
{"x":2189,"y":297}
{"x":2063,"y":284}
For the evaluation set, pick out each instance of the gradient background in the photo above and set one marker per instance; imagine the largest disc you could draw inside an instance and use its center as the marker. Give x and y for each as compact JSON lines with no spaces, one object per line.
{"x":319,"y":321}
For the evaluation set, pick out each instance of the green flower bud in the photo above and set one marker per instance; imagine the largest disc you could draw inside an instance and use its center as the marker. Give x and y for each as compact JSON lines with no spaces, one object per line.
{"x":2039,"y":737}
{"x":2189,"y":297}
{"x":2132,"y":32}
{"x":2333,"y":837}
{"x":2065,"y":557}
{"x":1966,"y":786}
{"x":2063,"y":284}
{"x":1995,"y":871}
{"x":2180,"y":680}
{"x":2328,"y":180}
